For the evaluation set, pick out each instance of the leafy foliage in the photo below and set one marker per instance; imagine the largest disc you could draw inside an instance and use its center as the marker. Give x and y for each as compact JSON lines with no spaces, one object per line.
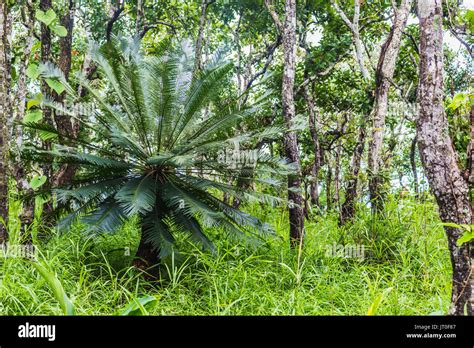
{"x":153,"y":150}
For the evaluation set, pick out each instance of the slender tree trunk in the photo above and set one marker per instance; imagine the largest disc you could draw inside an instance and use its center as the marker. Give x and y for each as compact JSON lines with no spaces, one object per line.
{"x":295,"y":198}
{"x":470,"y":150}
{"x":383,"y":76}
{"x":470,"y":160}
{"x":354,"y":28}
{"x":314,"y":193}
{"x":139,"y":20}
{"x":337,"y":176}
{"x":65,"y":126}
{"x":349,"y":205}
{"x":413,"y":167}
{"x":329,"y":195}
{"x":5,"y":114}
{"x":438,"y":155}
{"x":23,"y":187}
{"x":200,"y":37}
{"x":47,"y":168}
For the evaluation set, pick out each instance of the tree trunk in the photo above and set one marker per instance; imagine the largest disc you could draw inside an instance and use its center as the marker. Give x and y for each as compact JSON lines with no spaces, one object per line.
{"x":354,"y":28}
{"x":5,"y":114}
{"x":24,"y":190}
{"x":47,"y":168}
{"x":139,"y":21}
{"x":200,"y":37}
{"x":316,"y":147}
{"x":470,"y":150}
{"x":438,"y":155}
{"x":65,"y":126}
{"x":328,"y":187}
{"x":295,"y":198}
{"x":348,"y":207}
{"x":337,"y":175}
{"x":383,"y":76}
{"x":413,"y":167}
{"x":147,"y":258}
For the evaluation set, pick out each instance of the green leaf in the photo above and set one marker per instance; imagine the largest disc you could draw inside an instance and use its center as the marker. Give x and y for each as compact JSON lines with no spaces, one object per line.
{"x":33,"y":71}
{"x":55,"y":85}
{"x":37,"y":181}
{"x":465,"y":238}
{"x":31,"y":103}
{"x":57,"y":289}
{"x":47,"y":18}
{"x":59,"y":30}
{"x":377,"y":301}
{"x":33,"y":116}
{"x":136,"y":307}
{"x":459,"y":100}
{"x":469,"y":16}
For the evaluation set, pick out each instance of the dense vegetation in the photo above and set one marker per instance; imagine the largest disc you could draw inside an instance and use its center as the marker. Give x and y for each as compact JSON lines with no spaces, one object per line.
{"x":236,"y":157}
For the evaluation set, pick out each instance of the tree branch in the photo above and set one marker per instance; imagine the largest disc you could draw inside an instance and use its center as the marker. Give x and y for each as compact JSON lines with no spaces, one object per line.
{"x":115,"y":16}
{"x":274,"y":15}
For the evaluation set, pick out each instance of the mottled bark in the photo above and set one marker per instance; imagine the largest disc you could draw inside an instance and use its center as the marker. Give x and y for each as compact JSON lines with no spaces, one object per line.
{"x":64,"y":123}
{"x":329,"y":195}
{"x":354,"y":28}
{"x":23,"y":187}
{"x":139,"y":20}
{"x":337,"y":176}
{"x":314,"y":193}
{"x":5,"y":113}
{"x":413,"y":167}
{"x":470,"y":149}
{"x":295,"y":198}
{"x":200,"y":37}
{"x":438,"y":155}
{"x":383,"y":76}
{"x":290,"y":140}
{"x":45,"y":5}
{"x":349,"y":205}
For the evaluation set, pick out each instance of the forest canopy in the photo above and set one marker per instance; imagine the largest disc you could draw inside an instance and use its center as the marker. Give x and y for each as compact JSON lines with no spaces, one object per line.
{"x":292,"y":156}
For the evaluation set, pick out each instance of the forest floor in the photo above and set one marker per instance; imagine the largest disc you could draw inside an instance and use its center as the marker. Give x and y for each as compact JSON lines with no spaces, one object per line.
{"x":404,"y":269}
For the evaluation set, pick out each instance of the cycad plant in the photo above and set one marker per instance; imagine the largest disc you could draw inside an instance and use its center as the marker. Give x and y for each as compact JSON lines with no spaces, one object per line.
{"x":154,"y":145}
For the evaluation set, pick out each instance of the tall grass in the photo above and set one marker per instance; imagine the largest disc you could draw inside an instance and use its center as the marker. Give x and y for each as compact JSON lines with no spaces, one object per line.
{"x":406,"y":271}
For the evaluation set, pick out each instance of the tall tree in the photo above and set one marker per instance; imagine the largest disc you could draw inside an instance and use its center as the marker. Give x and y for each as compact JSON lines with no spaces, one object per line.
{"x":295,"y":199}
{"x":438,"y":155}
{"x":5,"y":112}
{"x":383,"y":77}
{"x":64,"y":123}
{"x":18,"y":168}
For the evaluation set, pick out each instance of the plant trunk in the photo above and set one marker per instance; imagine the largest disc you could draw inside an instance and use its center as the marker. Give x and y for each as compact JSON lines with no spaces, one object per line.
{"x":147,"y":258}
{"x":316,"y":147}
{"x":139,"y":20}
{"x":5,"y":114}
{"x":349,"y":205}
{"x":383,"y":76}
{"x":200,"y":37}
{"x":295,"y":199}
{"x":337,"y":174}
{"x":47,"y":168}
{"x":413,"y":167}
{"x":328,"y":187}
{"x":470,"y":150}
{"x":65,"y":126}
{"x":438,"y":155}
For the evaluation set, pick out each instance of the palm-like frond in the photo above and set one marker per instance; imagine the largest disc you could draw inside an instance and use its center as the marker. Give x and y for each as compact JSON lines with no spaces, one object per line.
{"x":151,"y":152}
